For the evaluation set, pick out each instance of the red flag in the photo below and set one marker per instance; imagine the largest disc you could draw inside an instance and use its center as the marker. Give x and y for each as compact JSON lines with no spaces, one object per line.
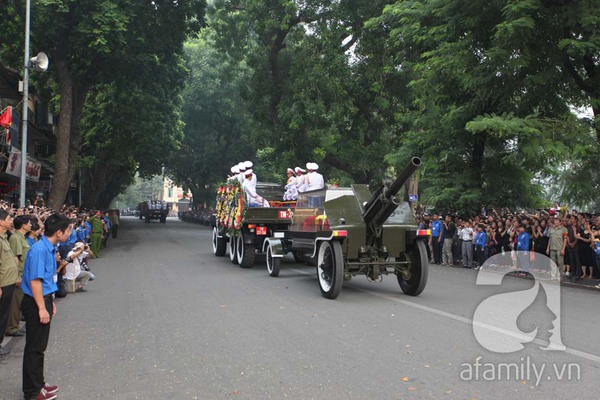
{"x":6,"y":118}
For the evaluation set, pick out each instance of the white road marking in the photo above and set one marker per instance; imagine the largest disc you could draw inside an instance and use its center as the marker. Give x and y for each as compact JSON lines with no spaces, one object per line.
{"x":578,"y":353}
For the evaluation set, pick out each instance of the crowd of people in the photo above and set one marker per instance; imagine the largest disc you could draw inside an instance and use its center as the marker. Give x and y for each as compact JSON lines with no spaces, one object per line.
{"x":43,"y":255}
{"x":570,"y":239}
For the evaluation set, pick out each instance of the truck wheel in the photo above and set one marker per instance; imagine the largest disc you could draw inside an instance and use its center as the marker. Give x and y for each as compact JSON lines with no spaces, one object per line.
{"x":417,"y":256}
{"x":273,"y":263}
{"x":245,"y":252}
{"x":219,"y":243}
{"x":330,"y":268}
{"x":232,"y":252}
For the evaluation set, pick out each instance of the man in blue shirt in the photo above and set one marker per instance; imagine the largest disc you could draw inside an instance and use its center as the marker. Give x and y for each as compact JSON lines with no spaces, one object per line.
{"x":39,"y":285}
{"x":436,"y":239}
{"x":480,"y":243}
{"x":522,"y":248}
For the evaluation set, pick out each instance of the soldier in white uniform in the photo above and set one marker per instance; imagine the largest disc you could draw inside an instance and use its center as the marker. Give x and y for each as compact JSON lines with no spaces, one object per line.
{"x":234,"y":173}
{"x":301,"y":180}
{"x":242,"y":171}
{"x":314,"y":179}
{"x":252,"y":198}
{"x":248,"y":165}
{"x":291,"y":191}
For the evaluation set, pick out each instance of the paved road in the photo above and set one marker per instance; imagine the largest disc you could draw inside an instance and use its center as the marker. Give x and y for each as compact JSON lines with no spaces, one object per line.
{"x":165,"y":319}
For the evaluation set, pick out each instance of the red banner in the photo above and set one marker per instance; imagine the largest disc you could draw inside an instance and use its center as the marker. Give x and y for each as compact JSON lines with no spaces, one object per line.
{"x":6,"y":118}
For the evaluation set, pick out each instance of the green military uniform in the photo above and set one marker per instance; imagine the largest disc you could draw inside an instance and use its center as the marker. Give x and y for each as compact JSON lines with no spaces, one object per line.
{"x":19,"y":247}
{"x":9,"y":274}
{"x":97,"y":232}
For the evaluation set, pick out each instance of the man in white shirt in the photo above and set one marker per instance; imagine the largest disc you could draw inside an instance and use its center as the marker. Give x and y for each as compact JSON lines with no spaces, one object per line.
{"x":465,"y":234}
{"x":315,"y":180}
{"x":75,"y":278}
{"x":301,"y":180}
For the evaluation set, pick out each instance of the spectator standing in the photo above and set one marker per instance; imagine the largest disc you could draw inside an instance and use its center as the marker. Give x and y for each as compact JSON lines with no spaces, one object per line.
{"x":96,"y":222}
{"x":480,"y":244}
{"x":573,"y":248}
{"x":586,"y":253}
{"x":9,"y":275}
{"x":436,"y":239}
{"x":466,"y":236}
{"x":106,"y":229}
{"x":39,"y":285}
{"x":522,"y":246}
{"x":114,"y":223}
{"x":557,"y":245}
{"x":19,"y":247}
{"x":449,"y":230}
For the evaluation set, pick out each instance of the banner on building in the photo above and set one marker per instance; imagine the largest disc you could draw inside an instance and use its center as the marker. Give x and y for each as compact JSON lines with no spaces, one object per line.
{"x":13,"y":166}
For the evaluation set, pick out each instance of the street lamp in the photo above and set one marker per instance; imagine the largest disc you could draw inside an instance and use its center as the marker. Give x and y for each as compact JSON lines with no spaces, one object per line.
{"x":40,"y":63}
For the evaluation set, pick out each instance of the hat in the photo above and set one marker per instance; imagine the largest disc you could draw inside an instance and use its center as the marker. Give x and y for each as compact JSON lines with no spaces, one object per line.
{"x":241,"y":166}
{"x":300,"y":170}
{"x":98,"y":213}
{"x":235,"y":169}
{"x":290,"y":171}
{"x":248,"y":164}
{"x":309,"y":166}
{"x":249,"y":172}
{"x":78,"y":245}
{"x":315,"y":166}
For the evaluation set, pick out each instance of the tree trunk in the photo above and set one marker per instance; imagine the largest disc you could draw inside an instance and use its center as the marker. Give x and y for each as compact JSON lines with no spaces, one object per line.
{"x":62,"y":182}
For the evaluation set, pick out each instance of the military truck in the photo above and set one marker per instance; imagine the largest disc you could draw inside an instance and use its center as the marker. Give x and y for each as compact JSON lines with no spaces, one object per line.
{"x":352,"y":232}
{"x":240,"y":230}
{"x":155,"y":209}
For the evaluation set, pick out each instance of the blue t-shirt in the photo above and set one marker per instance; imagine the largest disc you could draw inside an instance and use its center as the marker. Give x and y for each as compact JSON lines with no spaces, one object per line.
{"x":523,"y":241}
{"x":598,"y":249}
{"x":40,"y":264}
{"x":436,"y":228}
{"x":107,"y":222}
{"x":88,"y":228}
{"x":72,"y":239}
{"x":30,"y":240}
{"x":481,"y":239}
{"x":80,"y":232}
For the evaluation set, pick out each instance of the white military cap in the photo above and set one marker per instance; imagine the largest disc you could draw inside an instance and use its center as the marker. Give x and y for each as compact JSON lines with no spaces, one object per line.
{"x":236,"y":169}
{"x":300,"y":170}
{"x":290,"y":171}
{"x":241,"y":167}
{"x":249,"y":172}
{"x":248,"y":164}
{"x":315,"y":166}
{"x":233,"y":169}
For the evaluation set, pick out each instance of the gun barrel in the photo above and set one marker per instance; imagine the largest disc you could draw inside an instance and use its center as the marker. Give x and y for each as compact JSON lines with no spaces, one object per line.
{"x":381,"y":206}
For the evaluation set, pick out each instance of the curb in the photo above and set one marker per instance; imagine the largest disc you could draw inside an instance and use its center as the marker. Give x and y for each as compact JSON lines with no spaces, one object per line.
{"x":563,"y":283}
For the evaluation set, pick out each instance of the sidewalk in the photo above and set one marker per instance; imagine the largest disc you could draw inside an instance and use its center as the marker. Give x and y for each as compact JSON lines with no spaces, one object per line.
{"x":588,"y":284}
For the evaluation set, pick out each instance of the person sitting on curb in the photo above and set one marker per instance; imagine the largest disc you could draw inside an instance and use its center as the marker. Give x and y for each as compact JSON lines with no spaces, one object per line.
{"x":76,"y":279}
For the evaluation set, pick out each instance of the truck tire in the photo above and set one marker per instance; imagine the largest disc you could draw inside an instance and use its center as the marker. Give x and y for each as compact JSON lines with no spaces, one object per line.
{"x":330,"y":268}
{"x":273,"y":263}
{"x":219,"y":243}
{"x":246,"y":253}
{"x":232,"y":252}
{"x":417,"y":256}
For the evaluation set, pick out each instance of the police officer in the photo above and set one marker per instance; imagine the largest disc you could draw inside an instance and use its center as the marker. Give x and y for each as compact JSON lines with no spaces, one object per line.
{"x":97,"y":232}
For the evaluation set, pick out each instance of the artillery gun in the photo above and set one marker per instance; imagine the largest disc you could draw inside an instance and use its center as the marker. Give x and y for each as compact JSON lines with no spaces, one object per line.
{"x":352,"y":232}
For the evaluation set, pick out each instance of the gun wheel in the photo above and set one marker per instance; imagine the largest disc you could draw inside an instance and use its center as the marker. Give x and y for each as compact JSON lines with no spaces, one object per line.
{"x":219,"y":243}
{"x":330,"y":268}
{"x":417,"y":256}
{"x":273,"y":263}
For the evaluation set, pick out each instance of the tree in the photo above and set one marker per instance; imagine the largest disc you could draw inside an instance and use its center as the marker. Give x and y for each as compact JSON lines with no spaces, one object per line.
{"x":91,"y":42}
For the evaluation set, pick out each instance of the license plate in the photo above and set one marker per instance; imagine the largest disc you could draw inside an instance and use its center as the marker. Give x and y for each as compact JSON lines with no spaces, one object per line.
{"x":284,"y":215}
{"x":261,"y":230}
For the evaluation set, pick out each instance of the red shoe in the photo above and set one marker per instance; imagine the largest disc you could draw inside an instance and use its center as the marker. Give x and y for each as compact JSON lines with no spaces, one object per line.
{"x":52,"y":389}
{"x":43,"y":395}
